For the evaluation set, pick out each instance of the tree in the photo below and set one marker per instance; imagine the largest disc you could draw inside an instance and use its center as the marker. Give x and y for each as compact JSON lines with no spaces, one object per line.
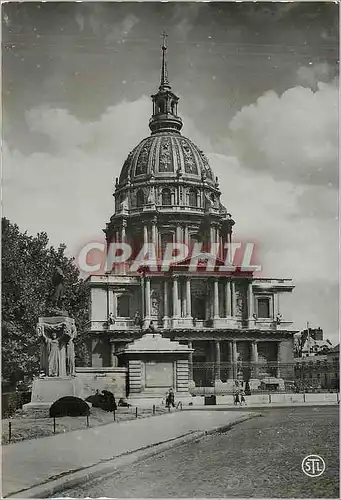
{"x":28,"y":263}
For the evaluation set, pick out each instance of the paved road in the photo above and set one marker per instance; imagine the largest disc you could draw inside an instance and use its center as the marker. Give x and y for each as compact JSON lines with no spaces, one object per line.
{"x":260,"y":458}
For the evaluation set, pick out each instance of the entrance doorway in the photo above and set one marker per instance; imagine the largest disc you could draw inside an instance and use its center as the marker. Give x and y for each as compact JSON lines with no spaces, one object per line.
{"x":199,"y":308}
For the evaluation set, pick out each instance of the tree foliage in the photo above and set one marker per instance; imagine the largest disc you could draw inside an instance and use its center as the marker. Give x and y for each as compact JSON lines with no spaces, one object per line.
{"x":28,"y":263}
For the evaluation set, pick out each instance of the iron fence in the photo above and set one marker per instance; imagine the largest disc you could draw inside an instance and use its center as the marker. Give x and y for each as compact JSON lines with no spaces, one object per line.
{"x":296,"y":377}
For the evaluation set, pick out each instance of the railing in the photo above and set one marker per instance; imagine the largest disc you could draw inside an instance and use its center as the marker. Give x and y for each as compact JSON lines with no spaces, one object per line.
{"x":14,"y":430}
{"x":220,"y":323}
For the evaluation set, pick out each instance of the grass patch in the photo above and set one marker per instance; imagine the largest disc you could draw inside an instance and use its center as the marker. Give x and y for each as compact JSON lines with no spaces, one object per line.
{"x":29,"y":427}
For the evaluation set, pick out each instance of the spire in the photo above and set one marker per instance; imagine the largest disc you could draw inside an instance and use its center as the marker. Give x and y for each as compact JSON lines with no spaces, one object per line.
{"x":165,"y":103}
{"x":164,"y":83}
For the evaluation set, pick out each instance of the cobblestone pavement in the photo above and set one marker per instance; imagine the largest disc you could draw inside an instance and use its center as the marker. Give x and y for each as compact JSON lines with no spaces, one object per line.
{"x":260,"y":458}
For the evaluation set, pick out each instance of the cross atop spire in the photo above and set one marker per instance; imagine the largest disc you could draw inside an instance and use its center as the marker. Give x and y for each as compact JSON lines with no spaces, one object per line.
{"x":164,"y":36}
{"x":164,"y":82}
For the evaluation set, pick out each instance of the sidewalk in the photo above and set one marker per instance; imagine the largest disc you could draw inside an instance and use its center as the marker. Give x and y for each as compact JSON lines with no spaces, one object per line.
{"x":30,"y":463}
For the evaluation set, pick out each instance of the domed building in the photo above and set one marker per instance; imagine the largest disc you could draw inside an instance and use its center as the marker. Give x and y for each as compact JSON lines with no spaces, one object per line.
{"x":233,"y":322}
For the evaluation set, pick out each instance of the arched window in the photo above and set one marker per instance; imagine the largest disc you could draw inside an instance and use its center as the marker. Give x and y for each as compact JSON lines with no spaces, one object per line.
{"x":192,"y":198}
{"x":161,"y":106}
{"x":140,"y":198}
{"x":166,"y":238}
{"x":166,"y":197}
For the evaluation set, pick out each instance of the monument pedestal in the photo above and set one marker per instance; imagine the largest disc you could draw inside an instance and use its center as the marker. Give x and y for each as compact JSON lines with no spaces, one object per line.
{"x":45,"y":391}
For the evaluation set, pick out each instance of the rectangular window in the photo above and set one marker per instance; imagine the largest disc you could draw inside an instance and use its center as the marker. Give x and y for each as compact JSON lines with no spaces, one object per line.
{"x":263,"y":307}
{"x":123,"y":306}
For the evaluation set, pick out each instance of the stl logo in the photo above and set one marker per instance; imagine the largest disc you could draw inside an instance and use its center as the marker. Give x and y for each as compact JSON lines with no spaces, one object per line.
{"x":313,"y":466}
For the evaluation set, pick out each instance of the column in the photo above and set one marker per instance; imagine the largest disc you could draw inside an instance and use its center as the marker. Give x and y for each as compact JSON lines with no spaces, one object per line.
{"x":123,"y":233}
{"x":183,"y":299}
{"x":188,"y":298}
{"x":113,"y":357}
{"x":217,"y":361}
{"x":213,"y":248}
{"x":190,"y":362}
{"x":178,"y":234}
{"x":114,"y":309}
{"x":278,"y":370}
{"x":147,"y":297}
{"x":227,"y":298}
{"x":157,"y":245}
{"x":154,"y":233}
{"x":234,"y":358}
{"x":230,"y":360}
{"x":165,"y":299}
{"x":111,"y":302}
{"x":221,"y":247}
{"x":145,"y":234}
{"x":254,"y":359}
{"x":175,"y":297}
{"x":215,"y":299}
{"x":233,"y":298}
{"x":250,"y":300}
{"x":186,"y":236}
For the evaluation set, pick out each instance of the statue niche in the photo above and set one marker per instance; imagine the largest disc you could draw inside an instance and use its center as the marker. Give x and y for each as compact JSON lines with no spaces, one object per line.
{"x":155,"y":303}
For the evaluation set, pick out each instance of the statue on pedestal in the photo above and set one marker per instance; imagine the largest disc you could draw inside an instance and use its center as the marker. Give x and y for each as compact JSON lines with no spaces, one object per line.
{"x":57,"y":350}
{"x":54,"y":299}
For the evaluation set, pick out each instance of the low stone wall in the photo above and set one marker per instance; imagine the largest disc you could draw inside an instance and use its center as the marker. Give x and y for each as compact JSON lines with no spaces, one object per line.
{"x":327,"y":397}
{"x":273,"y":397}
{"x":103,"y":378}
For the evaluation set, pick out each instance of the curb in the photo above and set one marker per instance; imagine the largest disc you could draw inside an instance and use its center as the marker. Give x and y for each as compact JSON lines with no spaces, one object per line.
{"x":74,"y":478}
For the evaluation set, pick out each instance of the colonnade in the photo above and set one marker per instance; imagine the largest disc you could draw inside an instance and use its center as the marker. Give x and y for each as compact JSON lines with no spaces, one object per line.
{"x":181,"y":292}
{"x":181,"y":234}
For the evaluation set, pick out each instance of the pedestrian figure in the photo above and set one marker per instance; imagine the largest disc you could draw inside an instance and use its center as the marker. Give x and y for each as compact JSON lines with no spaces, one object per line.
{"x":170,"y":399}
{"x":138,"y":319}
{"x":247,"y":389}
{"x":236,"y":397}
{"x":151,"y":328}
{"x":242,"y":398}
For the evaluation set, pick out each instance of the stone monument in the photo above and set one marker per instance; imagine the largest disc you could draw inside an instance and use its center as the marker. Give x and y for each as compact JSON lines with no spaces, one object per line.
{"x":156,"y":365}
{"x":57,"y":332}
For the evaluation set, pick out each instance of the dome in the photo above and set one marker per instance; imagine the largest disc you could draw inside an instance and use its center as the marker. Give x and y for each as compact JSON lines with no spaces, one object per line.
{"x":166,"y":155}
{"x":166,"y":190}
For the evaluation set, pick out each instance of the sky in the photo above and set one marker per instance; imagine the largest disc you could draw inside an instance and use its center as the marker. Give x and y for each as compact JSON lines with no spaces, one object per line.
{"x":258,"y":87}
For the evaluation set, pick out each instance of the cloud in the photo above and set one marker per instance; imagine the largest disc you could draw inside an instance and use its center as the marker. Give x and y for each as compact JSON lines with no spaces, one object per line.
{"x":184,"y":18}
{"x":293,"y":136}
{"x":310,"y":76}
{"x":120,"y":32}
{"x":69,"y":189}
{"x":292,"y":242}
